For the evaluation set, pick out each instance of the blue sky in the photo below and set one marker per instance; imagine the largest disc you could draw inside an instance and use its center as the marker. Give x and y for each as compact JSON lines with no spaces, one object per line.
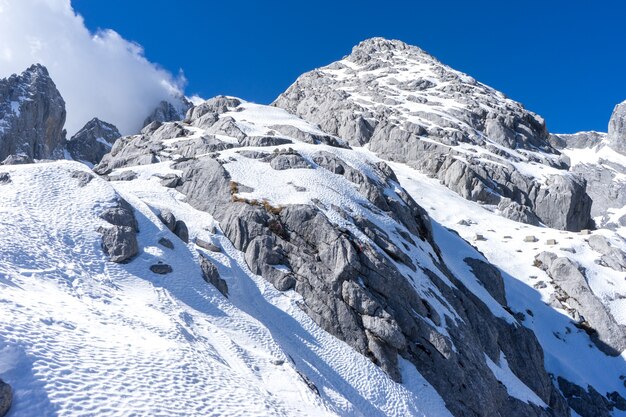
{"x":565,"y":60}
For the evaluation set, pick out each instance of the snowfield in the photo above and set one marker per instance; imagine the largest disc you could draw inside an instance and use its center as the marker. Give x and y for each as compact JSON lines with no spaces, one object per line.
{"x":81,"y":336}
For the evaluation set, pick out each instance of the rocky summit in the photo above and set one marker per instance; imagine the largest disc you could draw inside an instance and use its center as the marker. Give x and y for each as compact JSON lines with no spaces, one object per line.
{"x":389,"y":238}
{"x":408,"y":107}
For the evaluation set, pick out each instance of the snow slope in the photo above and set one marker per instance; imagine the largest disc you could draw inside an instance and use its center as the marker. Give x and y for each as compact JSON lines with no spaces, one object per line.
{"x":82,"y":336}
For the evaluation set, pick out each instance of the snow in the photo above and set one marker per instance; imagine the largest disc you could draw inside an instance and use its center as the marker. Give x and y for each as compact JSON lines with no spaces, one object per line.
{"x":595,"y":155}
{"x":82,"y":336}
{"x":15,"y":108}
{"x":512,"y":383}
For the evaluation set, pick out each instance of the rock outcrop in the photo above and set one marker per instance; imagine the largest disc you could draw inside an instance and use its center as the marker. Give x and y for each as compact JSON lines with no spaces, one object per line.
{"x":408,"y":107}
{"x":93,"y":141}
{"x":617,"y":129}
{"x":574,"y":295}
{"x":32,"y":115}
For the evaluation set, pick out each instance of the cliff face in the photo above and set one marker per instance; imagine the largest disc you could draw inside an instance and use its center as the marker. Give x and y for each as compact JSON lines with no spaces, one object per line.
{"x":32,"y":115}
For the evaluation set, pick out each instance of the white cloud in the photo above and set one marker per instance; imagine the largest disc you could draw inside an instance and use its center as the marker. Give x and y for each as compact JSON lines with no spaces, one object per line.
{"x":99,"y":75}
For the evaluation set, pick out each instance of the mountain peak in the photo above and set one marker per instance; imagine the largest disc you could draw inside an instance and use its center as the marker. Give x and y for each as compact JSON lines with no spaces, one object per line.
{"x":382,"y":44}
{"x":38,"y":69}
{"x":377,"y":46}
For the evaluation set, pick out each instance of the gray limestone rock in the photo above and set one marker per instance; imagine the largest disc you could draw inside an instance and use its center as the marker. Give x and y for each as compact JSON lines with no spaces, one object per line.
{"x":564,"y":204}
{"x":161,"y":268}
{"x":580,"y":140}
{"x":93,"y":141}
{"x":168,"y":219}
{"x":617,"y":129}
{"x":288,"y":161}
{"x":18,"y":159}
{"x":586,"y":402}
{"x":210,"y":246}
{"x":604,"y":186}
{"x":205,"y":114}
{"x":83,"y":177}
{"x":611,"y":256}
{"x":515,"y":211}
{"x":212,"y":276}
{"x":32,"y":115}
{"x":490,"y":277}
{"x":353,"y":289}
{"x":121,"y":215}
{"x":6,"y":398}
{"x":119,"y":241}
{"x":180,"y":230}
{"x":165,"y":242}
{"x":5,"y":178}
{"x":607,"y":334}
{"x":544,"y":260}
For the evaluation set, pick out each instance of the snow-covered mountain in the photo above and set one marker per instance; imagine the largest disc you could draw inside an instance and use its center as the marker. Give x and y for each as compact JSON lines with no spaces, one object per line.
{"x":396,"y":240}
{"x":408,"y":107}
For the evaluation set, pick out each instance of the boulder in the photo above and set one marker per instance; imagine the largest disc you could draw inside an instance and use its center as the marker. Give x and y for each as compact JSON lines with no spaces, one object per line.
{"x":119,"y":241}
{"x":612,"y":257}
{"x":161,"y":269}
{"x":6,"y":398}
{"x":212,"y":276}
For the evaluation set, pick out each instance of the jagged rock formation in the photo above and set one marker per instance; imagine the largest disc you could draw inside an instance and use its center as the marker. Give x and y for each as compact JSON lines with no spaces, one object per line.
{"x":32,"y":115}
{"x":408,"y":107}
{"x":368,"y":269}
{"x":168,"y":112}
{"x":93,"y":141}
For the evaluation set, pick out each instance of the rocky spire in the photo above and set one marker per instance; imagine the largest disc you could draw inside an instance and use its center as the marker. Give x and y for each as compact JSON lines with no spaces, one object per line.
{"x":32,"y":115}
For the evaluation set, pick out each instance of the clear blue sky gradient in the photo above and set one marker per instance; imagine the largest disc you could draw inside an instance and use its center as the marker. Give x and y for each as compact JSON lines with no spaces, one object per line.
{"x":565,"y":60}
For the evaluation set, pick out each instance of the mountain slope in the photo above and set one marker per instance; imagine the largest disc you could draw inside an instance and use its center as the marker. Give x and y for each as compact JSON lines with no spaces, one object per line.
{"x":245,"y":261}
